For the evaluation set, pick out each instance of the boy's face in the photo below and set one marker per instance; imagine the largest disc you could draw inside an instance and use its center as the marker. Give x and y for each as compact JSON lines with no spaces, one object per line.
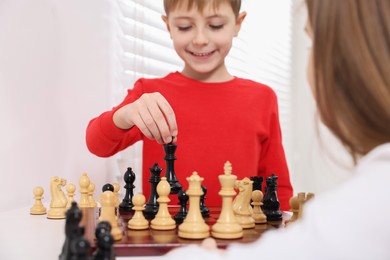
{"x":203,"y":39}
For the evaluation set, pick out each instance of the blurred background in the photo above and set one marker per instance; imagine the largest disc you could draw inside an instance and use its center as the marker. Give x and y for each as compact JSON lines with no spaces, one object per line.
{"x":64,"y":62}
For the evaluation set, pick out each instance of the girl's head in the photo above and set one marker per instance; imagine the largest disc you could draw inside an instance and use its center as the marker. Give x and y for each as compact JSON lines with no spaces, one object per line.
{"x":170,"y":5}
{"x":349,"y":69}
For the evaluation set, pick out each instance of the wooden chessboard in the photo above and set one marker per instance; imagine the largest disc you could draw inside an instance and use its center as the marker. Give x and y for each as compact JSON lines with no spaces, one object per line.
{"x":151,"y":242}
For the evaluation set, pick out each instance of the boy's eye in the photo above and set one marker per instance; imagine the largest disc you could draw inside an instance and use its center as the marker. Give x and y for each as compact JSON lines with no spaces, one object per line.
{"x":184,"y":28}
{"x":216,"y":27}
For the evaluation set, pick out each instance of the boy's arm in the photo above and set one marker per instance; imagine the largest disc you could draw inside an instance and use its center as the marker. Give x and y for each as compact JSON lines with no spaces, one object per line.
{"x":273,"y":159}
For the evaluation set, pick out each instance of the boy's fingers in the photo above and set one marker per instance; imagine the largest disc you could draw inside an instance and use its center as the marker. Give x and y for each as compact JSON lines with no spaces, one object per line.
{"x":169,"y":116}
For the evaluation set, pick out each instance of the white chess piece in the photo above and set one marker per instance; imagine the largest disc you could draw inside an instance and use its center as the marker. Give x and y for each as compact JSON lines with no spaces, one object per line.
{"x":163,"y":220}
{"x":138,"y":221}
{"x":38,"y":208}
{"x":107,"y":213}
{"x":84,"y":185}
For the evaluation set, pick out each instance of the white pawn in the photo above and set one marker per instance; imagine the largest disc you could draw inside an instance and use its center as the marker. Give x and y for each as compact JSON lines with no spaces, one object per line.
{"x":138,"y":221}
{"x":258,"y":215}
{"x":91,"y":190}
{"x":194,"y":226}
{"x":107,"y":213}
{"x":163,"y":220}
{"x":84,"y":184}
{"x":70,"y":190}
{"x":38,"y":208}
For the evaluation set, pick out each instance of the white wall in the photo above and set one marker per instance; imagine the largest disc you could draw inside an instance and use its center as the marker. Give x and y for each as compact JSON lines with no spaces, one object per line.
{"x":53,"y":80}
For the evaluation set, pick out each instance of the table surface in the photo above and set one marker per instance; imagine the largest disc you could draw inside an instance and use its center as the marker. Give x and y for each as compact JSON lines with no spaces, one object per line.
{"x":25,"y":236}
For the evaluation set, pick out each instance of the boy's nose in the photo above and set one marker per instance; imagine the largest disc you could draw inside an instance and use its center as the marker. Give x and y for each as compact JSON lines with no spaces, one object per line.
{"x":200,"y":38}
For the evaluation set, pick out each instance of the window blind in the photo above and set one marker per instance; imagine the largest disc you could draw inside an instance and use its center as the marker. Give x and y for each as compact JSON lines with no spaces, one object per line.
{"x":262,"y":52}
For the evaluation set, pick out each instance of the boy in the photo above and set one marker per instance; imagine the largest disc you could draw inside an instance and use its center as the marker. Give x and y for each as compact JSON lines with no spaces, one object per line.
{"x":221,"y":117}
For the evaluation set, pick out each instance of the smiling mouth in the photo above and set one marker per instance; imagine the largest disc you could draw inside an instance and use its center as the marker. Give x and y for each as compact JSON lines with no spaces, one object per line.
{"x":201,"y":54}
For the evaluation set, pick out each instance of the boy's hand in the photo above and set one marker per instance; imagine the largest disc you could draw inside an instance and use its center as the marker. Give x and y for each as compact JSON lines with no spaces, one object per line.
{"x":152,"y":114}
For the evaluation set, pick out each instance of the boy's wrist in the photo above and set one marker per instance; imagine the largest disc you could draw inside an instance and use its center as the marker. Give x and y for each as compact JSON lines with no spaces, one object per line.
{"x":120,"y":120}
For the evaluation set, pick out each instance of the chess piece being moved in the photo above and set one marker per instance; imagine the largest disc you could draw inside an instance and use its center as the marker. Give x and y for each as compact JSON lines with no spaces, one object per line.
{"x":163,"y":219}
{"x":107,"y":213}
{"x":104,"y":241}
{"x":227,"y":226}
{"x":170,"y":158}
{"x":84,"y":185}
{"x":138,"y":221}
{"x":70,"y":190}
{"x":58,"y":199}
{"x":152,"y":206}
{"x":182,"y":212}
{"x":194,"y":226}
{"x":258,"y":215}
{"x":38,"y":208}
{"x":241,"y":204}
{"x":129,"y":178}
{"x":271,"y":204}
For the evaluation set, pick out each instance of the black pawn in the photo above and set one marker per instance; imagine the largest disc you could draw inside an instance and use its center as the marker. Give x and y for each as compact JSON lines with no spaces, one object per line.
{"x":107,"y":187}
{"x":80,"y":248}
{"x":183,"y":201}
{"x":271,"y":204}
{"x":257,"y":183}
{"x":72,"y":230}
{"x":170,"y":158}
{"x":104,"y":242}
{"x":129,"y":178}
{"x":152,"y":205}
{"x":203,"y":208}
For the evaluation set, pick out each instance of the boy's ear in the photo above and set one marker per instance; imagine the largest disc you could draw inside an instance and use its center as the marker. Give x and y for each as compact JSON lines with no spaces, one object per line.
{"x":240,"y":18}
{"x":165,"y":19}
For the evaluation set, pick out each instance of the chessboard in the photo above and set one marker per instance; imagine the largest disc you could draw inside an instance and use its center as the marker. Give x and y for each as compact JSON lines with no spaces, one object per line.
{"x":152,"y":242}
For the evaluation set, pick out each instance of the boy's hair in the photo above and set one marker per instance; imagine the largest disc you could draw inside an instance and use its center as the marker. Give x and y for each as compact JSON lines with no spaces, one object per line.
{"x":170,"y":5}
{"x":352,"y":70}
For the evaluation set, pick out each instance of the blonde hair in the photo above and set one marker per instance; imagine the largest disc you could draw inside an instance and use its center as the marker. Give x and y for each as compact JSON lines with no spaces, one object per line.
{"x":170,"y":5}
{"x":351,"y":40}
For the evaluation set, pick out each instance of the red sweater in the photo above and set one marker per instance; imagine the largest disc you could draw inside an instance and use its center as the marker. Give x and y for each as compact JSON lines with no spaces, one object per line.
{"x":234,"y":121}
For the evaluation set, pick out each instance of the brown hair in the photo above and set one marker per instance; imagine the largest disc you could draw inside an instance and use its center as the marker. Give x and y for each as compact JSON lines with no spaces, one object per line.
{"x":170,"y":5}
{"x":351,"y":40}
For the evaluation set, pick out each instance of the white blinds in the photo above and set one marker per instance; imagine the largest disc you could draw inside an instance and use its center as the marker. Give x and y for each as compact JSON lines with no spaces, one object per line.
{"x":262,"y":51}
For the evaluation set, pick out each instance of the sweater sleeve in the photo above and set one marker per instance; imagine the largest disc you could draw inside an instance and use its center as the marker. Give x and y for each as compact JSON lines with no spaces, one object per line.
{"x":104,"y":138}
{"x":273,"y":159}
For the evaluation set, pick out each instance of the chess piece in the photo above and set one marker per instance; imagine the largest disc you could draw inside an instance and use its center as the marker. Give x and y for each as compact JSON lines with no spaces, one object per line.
{"x":138,"y":221}
{"x":91,"y":199}
{"x":116,"y":193}
{"x":72,"y":230}
{"x":152,"y":206}
{"x":241,"y":204}
{"x":38,"y":208}
{"x":227,"y":226}
{"x":183,"y":201}
{"x":170,"y":174}
{"x":58,"y":199}
{"x":302,"y":199}
{"x":84,"y":184}
{"x":258,"y":215}
{"x":257,"y":182}
{"x":163,"y":220}
{"x":70,"y":190}
{"x":129,"y":178}
{"x":80,"y":249}
{"x":104,"y":241}
{"x":271,"y":204}
{"x":194,"y":226}
{"x":203,"y":208}
{"x":107,"y":213}
{"x":294,"y":208}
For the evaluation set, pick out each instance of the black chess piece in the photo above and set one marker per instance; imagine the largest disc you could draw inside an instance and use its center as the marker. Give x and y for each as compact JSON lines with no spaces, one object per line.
{"x":80,"y":249}
{"x":129,"y":178}
{"x":108,"y":186}
{"x":152,"y":205}
{"x":271,"y":204}
{"x":104,"y":241}
{"x":183,"y":201}
{"x":257,"y":183}
{"x":203,"y":208}
{"x":72,"y":230}
{"x":170,"y":158}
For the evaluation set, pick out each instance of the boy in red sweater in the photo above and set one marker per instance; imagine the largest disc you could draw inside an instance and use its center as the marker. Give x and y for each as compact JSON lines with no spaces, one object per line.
{"x":221,"y":117}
